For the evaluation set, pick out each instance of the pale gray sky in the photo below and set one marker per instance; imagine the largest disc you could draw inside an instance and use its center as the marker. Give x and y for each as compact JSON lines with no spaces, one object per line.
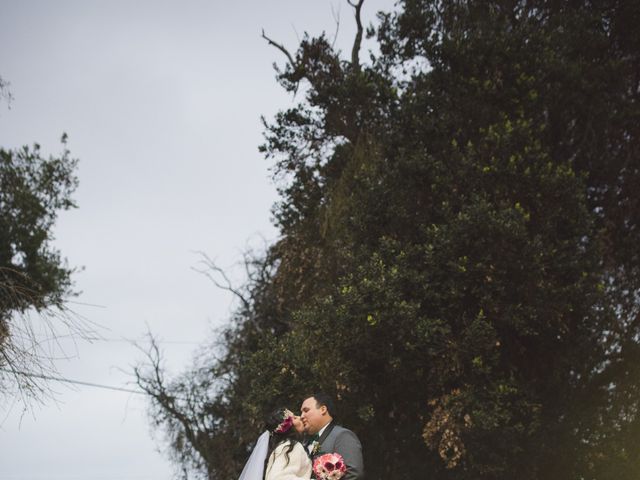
{"x":161,"y":101}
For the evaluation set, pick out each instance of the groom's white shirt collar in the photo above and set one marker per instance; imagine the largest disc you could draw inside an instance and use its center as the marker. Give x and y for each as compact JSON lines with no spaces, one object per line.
{"x":321,"y":431}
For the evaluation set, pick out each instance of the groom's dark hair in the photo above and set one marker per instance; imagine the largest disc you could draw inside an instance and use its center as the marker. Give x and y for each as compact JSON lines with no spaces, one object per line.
{"x":322,"y":399}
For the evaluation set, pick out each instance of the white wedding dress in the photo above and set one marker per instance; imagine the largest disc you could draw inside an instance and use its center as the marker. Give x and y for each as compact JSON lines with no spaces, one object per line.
{"x":298,"y":467}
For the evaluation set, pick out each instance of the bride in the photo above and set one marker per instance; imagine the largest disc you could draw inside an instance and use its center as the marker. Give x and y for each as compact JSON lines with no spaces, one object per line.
{"x":278,"y":454}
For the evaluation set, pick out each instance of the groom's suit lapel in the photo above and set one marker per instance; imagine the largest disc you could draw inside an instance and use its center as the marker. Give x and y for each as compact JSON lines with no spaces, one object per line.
{"x":326,"y":433}
{"x":321,"y":440}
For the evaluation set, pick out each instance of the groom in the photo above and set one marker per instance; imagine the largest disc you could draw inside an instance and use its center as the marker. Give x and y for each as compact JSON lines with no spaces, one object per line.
{"x":324,"y":436}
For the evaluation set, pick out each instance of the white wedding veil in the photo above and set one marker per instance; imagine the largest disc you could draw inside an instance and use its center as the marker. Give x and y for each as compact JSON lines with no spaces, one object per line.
{"x":254,"y":468}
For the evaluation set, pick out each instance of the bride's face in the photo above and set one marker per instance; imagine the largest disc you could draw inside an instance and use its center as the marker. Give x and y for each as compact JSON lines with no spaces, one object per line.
{"x":297,"y":422}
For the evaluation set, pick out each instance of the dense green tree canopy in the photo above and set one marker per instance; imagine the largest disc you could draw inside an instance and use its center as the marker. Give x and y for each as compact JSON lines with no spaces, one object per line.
{"x":33,"y":275}
{"x":457,"y":261}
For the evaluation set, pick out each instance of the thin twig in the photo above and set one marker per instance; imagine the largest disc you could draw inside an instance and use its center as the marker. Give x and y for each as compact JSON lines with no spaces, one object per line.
{"x":336,"y":18}
{"x":227,"y":285}
{"x":279,"y":47}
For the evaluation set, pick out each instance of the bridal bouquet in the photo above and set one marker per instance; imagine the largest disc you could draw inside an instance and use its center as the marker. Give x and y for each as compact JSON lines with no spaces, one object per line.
{"x":329,"y":466}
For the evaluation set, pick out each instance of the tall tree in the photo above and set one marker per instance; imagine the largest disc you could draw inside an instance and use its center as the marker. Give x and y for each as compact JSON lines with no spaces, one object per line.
{"x":34,"y":278}
{"x":456,"y":262}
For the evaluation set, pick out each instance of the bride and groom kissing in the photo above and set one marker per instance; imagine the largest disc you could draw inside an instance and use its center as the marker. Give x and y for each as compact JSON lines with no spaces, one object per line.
{"x":309,"y":445}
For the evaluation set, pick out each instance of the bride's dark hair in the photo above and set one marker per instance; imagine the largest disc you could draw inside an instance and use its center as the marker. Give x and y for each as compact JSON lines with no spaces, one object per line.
{"x":272,"y":422}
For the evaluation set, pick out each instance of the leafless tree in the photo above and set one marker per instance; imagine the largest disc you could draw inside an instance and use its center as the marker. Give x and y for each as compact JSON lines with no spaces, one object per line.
{"x":186,"y":409}
{"x":31,"y":341}
{"x":357,"y":43}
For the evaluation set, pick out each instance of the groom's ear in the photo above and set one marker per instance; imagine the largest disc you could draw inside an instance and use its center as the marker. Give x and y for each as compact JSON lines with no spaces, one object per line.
{"x":323,"y":410}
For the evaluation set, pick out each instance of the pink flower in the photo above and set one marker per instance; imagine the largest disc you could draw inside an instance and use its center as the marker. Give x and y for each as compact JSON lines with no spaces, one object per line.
{"x":329,"y":466}
{"x":286,"y":425}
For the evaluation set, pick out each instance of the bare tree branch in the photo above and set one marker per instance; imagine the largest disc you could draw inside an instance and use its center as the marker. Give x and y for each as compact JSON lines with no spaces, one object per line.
{"x":355,"y":52}
{"x":177,"y":405}
{"x":5,"y":93}
{"x":30,"y":340}
{"x":279,"y":47}
{"x":294,"y":31}
{"x":211,"y":269}
{"x":336,"y":18}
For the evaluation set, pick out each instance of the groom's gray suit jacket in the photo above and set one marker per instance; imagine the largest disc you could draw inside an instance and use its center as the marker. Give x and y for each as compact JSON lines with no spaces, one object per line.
{"x":336,"y":439}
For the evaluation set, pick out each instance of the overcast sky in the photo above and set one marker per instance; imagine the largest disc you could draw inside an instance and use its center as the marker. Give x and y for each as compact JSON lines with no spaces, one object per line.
{"x":161,"y":101}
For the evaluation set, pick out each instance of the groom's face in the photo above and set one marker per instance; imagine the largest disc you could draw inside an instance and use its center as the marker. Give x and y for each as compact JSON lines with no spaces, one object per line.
{"x":313,"y":417}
